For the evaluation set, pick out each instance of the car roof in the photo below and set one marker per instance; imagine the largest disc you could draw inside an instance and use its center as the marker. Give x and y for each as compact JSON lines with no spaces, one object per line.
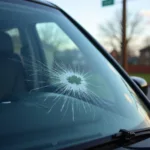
{"x":44,"y":2}
{"x":41,"y":2}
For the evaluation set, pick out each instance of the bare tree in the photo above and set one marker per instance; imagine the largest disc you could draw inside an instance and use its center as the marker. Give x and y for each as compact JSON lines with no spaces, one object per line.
{"x":52,"y":35}
{"x":52,"y":39}
{"x":112,"y":29}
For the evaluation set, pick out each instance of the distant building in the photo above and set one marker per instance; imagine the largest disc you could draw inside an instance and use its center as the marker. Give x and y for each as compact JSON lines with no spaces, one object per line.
{"x":144,"y":57}
{"x":72,"y":58}
{"x":133,"y":60}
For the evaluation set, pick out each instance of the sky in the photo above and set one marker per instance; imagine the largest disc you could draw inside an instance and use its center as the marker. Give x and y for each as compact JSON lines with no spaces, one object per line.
{"x":90,"y":14}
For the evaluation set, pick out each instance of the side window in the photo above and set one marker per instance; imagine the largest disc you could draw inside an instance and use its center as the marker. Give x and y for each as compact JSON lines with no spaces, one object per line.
{"x":14,"y":34}
{"x":57,"y":45}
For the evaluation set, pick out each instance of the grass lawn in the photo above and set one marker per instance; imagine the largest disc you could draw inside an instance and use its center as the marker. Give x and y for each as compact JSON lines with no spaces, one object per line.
{"x":145,"y":76}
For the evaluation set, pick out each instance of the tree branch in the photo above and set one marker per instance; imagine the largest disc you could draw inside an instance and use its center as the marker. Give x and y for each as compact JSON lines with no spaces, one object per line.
{"x":113,"y":28}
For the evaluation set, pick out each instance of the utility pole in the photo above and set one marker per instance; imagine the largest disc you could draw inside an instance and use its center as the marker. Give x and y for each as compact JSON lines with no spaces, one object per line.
{"x":124,"y":56}
{"x":124,"y":43}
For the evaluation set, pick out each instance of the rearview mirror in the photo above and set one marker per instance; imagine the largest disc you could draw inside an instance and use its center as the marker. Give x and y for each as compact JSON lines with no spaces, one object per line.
{"x":142,"y":83}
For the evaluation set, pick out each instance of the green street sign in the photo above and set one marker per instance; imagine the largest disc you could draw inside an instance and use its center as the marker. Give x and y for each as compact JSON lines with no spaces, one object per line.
{"x":108,"y":2}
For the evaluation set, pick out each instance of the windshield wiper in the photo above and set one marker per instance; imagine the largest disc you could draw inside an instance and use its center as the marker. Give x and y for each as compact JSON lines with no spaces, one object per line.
{"x":126,"y":137}
{"x":123,"y":138}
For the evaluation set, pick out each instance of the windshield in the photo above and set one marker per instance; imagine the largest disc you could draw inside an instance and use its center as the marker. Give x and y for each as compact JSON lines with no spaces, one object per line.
{"x":55,"y":86}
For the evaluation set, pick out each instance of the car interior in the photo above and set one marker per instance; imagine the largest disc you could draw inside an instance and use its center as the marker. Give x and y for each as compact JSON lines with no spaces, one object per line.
{"x":22,"y":53}
{"x":12,"y":77}
{"x":16,"y":64}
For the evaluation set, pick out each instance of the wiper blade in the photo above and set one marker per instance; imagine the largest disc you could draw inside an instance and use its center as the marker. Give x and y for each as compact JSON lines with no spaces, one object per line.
{"x":124,"y":135}
{"x":123,"y":138}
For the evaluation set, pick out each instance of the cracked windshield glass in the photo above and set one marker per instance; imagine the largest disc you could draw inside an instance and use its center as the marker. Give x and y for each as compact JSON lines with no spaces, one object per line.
{"x":55,"y":85}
